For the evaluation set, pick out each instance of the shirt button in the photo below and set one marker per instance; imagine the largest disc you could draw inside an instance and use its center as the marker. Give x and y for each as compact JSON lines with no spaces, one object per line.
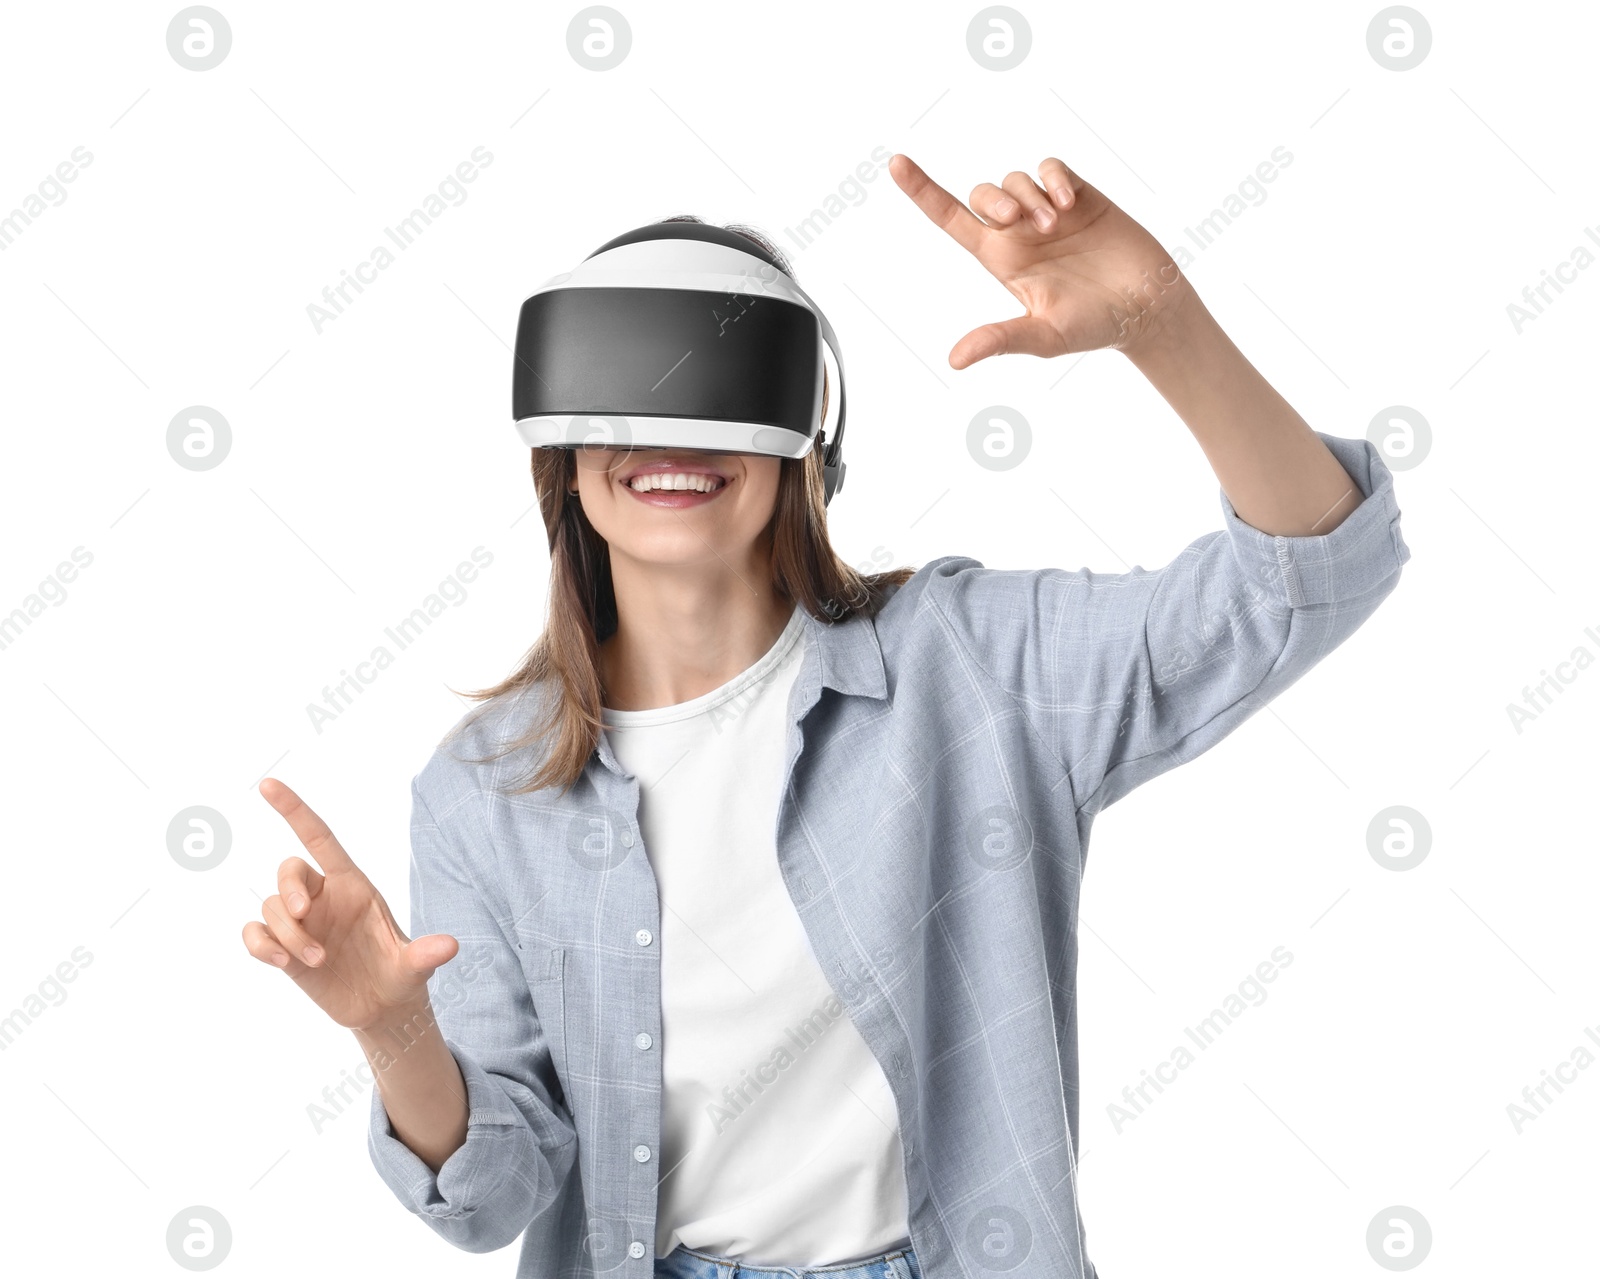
{"x":642,"y":1040}
{"x":643,"y":937}
{"x":627,"y":838}
{"x":636,"y":1249}
{"x":641,"y":1154}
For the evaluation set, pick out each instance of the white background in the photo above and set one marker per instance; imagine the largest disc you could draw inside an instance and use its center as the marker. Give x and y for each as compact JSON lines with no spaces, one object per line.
{"x":368,"y":460}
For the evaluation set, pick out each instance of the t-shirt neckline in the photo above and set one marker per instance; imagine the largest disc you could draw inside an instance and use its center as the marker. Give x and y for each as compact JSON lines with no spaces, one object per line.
{"x":752,"y":674}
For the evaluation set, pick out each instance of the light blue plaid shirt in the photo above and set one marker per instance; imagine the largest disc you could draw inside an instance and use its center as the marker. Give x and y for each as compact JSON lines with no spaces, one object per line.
{"x":945,"y":763}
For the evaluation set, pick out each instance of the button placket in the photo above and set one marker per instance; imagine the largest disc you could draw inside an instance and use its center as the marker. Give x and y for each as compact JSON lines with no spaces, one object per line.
{"x":641,"y":1041}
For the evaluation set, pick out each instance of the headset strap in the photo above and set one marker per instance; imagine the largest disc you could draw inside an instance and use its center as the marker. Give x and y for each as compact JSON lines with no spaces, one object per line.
{"x":833,"y":466}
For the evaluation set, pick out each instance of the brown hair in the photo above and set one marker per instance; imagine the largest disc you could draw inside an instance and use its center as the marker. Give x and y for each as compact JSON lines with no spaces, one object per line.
{"x":582,"y":607}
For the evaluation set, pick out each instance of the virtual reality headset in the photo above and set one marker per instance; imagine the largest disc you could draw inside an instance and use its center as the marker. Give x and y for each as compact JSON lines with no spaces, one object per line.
{"x":678,"y":335}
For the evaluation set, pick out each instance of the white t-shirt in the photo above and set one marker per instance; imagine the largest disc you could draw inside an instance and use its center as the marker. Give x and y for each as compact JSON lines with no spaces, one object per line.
{"x":780,"y":1140}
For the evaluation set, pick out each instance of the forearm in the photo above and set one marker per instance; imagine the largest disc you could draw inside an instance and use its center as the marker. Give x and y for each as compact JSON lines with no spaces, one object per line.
{"x":1278,"y":475}
{"x":421,"y":1085}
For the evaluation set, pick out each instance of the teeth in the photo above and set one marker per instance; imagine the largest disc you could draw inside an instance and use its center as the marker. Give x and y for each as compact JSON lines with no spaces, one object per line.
{"x":674,"y":480}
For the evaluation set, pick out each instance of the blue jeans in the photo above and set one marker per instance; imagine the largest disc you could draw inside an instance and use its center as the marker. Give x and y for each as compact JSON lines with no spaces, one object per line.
{"x":693,"y":1263}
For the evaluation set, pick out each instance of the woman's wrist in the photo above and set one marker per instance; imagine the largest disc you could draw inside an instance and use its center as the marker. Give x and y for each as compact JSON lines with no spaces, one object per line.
{"x":398,"y":1027}
{"x":1177,"y":336}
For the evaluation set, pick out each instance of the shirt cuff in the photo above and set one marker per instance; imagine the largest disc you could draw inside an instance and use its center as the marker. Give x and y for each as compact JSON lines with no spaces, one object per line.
{"x":498,"y":1141}
{"x":1352,"y":560}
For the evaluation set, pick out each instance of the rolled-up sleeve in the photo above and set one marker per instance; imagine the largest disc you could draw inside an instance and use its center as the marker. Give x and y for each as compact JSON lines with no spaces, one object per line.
{"x":1126,"y":675}
{"x":520,"y":1141}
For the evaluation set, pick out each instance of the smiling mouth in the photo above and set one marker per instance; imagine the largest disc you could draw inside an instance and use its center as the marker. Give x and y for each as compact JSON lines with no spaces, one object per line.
{"x":675,"y":482}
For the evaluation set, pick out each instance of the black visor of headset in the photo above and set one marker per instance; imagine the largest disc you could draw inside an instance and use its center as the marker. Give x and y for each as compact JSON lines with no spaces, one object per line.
{"x":678,"y":335}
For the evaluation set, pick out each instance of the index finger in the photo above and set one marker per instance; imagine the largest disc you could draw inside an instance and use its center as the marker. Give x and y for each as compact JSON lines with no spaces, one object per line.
{"x":942,"y":208}
{"x":311,"y":830}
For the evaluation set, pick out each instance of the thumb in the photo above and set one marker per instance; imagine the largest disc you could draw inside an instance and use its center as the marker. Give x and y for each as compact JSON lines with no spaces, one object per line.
{"x":419,"y":958}
{"x":1025,"y":335}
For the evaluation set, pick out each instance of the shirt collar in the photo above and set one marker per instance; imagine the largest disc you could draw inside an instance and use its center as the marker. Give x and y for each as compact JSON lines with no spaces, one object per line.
{"x":845,"y":656}
{"x":850,"y":659}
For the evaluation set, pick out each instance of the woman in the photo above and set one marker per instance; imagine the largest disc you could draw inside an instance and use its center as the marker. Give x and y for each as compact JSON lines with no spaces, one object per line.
{"x":759,"y":890}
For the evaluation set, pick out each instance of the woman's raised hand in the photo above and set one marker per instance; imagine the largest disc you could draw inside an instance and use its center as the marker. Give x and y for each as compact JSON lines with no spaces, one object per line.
{"x":1089,"y":275}
{"x":334,"y":933}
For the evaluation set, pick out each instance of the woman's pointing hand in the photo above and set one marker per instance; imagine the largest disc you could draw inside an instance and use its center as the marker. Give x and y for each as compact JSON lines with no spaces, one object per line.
{"x":340,"y":943}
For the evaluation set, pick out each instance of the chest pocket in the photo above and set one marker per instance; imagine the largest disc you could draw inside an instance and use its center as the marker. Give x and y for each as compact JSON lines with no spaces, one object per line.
{"x":545,"y":967}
